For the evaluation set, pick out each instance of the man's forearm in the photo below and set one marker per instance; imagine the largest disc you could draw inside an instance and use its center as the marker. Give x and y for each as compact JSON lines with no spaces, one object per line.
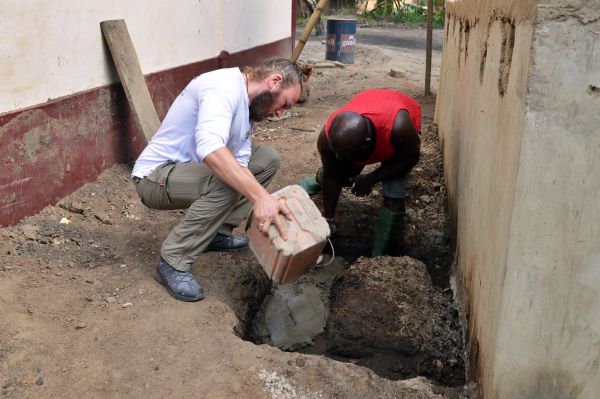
{"x":331,"y":189}
{"x":387,"y":172}
{"x":266,"y":208}
{"x":224,"y":165}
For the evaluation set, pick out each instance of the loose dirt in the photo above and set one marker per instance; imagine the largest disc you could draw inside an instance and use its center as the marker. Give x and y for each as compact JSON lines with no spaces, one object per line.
{"x":82,"y":316}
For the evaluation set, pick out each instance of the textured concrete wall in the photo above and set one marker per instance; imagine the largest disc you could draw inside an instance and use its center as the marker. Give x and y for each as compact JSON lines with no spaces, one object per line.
{"x":549,"y":326}
{"x":480,"y":114}
{"x":518,"y":118}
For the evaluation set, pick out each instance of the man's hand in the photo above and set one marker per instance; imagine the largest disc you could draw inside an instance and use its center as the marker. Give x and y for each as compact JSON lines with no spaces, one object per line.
{"x":362,"y":186}
{"x":266,"y":208}
{"x":266,"y":212}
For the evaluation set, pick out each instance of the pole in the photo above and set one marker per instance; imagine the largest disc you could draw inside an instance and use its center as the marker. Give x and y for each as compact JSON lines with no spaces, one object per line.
{"x":429,"y":47}
{"x":307,"y":29}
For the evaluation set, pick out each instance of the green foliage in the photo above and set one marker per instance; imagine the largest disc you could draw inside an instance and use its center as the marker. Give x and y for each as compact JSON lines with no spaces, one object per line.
{"x":301,"y":20}
{"x":409,"y":14}
{"x":438,"y":18}
{"x":340,"y":13}
{"x":396,"y":11}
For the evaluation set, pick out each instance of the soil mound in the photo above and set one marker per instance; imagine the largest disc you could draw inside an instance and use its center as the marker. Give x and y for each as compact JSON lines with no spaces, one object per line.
{"x":387,"y":315}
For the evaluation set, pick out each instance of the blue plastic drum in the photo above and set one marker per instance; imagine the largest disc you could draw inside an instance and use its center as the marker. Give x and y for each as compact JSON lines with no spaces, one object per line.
{"x":341,"y":39}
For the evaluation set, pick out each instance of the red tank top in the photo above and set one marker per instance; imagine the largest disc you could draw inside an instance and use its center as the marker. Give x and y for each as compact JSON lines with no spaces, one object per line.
{"x":381,"y":107}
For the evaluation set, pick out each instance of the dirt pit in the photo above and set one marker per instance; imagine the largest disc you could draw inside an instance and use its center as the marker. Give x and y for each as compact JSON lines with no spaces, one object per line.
{"x":81,"y":315}
{"x":382,"y":313}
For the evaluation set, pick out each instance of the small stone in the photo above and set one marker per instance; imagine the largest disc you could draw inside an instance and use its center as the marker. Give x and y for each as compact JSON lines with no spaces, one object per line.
{"x":111,"y":299}
{"x":71,"y":206}
{"x":397,"y":73}
{"x":30,"y":232}
{"x":436,"y":186}
{"x":325,"y":64}
{"x":6,"y":268}
{"x":103,"y":217}
{"x":76,"y":207}
{"x":123,"y":266}
{"x":79,"y":326}
{"x":300,"y":362}
{"x":426,"y":198}
{"x":127,"y":305}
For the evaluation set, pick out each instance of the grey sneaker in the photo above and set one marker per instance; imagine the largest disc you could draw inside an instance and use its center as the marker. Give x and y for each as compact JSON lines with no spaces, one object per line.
{"x":221,"y":242}
{"x":181,"y":285}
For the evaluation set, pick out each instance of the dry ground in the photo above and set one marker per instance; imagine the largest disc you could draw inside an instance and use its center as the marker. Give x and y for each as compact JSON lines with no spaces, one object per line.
{"x":82,"y":317}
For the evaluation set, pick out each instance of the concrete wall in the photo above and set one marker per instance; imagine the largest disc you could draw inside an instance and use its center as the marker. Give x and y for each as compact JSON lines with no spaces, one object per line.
{"x":517,"y":111}
{"x":63,"y":119}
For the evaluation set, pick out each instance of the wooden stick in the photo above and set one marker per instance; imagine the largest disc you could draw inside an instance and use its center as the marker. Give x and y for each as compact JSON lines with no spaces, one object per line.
{"x":307,"y":29}
{"x":130,"y":73}
{"x":429,"y":47}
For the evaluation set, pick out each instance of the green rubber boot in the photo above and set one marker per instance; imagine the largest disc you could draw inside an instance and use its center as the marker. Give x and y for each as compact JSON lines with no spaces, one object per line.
{"x":386,"y":231}
{"x":310,"y":185}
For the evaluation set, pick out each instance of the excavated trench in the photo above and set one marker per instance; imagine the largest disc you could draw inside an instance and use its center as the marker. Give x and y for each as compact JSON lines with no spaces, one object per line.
{"x":392,"y":314}
{"x":382,"y":313}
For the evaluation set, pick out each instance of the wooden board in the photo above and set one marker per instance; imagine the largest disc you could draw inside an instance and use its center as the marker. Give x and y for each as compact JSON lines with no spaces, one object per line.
{"x":129,"y":70}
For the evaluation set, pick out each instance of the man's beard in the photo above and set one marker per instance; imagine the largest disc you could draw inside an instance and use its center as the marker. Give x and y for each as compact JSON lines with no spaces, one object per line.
{"x":260,"y":106}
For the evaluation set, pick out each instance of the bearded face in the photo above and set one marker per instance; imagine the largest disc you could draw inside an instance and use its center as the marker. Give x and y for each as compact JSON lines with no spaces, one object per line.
{"x":261,"y":106}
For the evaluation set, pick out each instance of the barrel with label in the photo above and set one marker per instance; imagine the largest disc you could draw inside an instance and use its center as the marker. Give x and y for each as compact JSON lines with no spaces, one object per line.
{"x":341,"y":38}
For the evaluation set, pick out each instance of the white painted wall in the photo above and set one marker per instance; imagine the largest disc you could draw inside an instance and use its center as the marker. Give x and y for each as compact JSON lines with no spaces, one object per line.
{"x":53,"y":49}
{"x":253,"y":22}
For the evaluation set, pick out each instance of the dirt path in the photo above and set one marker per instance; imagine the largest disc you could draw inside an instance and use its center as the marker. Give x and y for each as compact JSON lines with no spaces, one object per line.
{"x":81,"y":315}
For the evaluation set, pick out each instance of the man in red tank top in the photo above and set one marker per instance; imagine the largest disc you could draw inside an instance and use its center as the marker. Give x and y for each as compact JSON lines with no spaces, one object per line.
{"x":376,"y":126}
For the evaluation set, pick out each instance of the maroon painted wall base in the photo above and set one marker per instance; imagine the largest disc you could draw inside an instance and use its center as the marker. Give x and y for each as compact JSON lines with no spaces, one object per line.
{"x":49,"y":150}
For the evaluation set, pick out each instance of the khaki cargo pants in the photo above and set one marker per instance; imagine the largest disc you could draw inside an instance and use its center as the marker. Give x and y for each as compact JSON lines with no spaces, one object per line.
{"x":212,"y":206}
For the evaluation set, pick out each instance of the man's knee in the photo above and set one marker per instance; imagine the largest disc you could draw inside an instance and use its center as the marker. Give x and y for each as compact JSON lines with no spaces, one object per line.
{"x":395,"y":188}
{"x":272,"y":158}
{"x":265,"y":159}
{"x":394,"y":192}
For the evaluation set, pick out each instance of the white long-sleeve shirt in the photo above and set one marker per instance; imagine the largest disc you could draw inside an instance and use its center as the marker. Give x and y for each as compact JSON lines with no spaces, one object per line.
{"x":210,"y":113}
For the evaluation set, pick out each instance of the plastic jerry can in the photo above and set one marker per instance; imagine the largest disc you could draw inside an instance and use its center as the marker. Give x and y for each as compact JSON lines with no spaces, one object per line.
{"x":285,"y":261}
